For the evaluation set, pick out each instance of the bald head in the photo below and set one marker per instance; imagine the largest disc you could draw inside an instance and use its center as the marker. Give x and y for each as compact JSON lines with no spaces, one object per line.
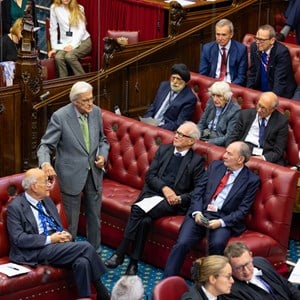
{"x":266,"y":104}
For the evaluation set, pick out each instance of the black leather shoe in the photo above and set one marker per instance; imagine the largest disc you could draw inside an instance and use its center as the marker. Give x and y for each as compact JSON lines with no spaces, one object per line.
{"x":114,"y":261}
{"x":132,"y":269}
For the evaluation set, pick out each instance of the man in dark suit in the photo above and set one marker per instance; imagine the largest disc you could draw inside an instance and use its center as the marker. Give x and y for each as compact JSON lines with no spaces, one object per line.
{"x":75,"y":134}
{"x":219,"y":208}
{"x":255,"y":278}
{"x":270,"y":65}
{"x":37,"y":236}
{"x":171,"y":179}
{"x":268,"y":143}
{"x":174,"y":102}
{"x":236,"y":58}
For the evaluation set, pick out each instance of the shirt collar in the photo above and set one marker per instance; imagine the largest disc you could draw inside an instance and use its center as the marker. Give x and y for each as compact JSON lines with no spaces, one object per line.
{"x":208,"y":294}
{"x":31,"y":200}
{"x":183,"y":153}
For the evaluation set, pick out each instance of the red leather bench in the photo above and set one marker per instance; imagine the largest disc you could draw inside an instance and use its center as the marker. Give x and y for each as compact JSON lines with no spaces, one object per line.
{"x":133,"y":145}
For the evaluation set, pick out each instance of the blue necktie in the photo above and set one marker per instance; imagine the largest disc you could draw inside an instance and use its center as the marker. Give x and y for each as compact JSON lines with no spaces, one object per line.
{"x":46,"y":220}
{"x":263,"y":69}
{"x":262,"y":129}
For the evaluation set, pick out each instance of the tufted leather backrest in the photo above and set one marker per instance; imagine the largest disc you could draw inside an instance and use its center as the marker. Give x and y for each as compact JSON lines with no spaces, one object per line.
{"x":132,"y":147}
{"x":248,"y":98}
{"x":10,"y":187}
{"x":293,"y":49}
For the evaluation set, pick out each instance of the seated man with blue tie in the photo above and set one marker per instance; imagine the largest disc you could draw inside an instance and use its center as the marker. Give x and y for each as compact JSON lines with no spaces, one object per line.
{"x":264,"y":129}
{"x":37,"y":237}
{"x":255,"y":278}
{"x":270,"y":65}
{"x":174,"y":102}
{"x":218,"y":208}
{"x":169,"y":183}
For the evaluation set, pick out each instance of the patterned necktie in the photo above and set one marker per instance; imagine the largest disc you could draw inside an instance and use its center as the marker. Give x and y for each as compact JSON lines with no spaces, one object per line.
{"x":85,"y":131}
{"x":221,"y":185}
{"x":264,"y":68}
{"x":178,"y":154}
{"x":165,"y":105}
{"x":223,"y":64}
{"x":46,"y":220}
{"x":262,"y":129}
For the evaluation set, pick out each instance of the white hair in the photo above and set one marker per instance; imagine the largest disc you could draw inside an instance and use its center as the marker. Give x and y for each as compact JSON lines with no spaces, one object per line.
{"x":78,"y":88}
{"x":128,"y":288}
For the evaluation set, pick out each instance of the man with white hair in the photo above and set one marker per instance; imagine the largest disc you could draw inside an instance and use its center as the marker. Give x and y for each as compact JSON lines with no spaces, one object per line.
{"x":75,"y":134}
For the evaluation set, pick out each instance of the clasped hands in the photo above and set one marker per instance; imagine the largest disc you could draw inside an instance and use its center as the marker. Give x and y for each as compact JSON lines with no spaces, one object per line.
{"x":60,"y":237}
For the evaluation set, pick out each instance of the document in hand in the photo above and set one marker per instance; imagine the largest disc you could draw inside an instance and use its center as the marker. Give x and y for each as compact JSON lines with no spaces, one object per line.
{"x":11,"y":269}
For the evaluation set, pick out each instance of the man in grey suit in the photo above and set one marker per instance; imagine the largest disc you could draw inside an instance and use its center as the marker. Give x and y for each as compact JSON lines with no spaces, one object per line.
{"x":37,"y":236}
{"x":75,"y":133}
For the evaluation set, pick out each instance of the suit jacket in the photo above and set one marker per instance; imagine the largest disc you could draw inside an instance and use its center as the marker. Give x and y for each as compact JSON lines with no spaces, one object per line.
{"x":72,"y":160}
{"x":292,"y":15}
{"x":237,"y":59}
{"x":238,"y":201}
{"x":226,"y":122}
{"x":191,"y":171}
{"x":276,"y":134}
{"x":25,"y":240}
{"x":280,"y":73}
{"x":180,"y":110}
{"x":195,"y":293}
{"x":283,"y":289}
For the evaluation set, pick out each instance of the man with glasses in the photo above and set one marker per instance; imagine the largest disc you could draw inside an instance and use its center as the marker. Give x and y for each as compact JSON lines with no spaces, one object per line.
{"x":270,"y":65}
{"x":169,"y":183}
{"x":219,"y":208}
{"x":255,"y":278}
{"x":174,"y":102}
{"x":264,"y":129}
{"x":225,"y":58}
{"x":75,"y":135}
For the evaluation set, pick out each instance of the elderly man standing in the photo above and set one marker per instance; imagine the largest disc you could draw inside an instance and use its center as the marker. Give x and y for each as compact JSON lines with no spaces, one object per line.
{"x":270,"y":65}
{"x":37,"y":236}
{"x":218,"y":209}
{"x":169,"y":183}
{"x":75,"y":134}
{"x":225,"y":58}
{"x":264,"y":129}
{"x":174,"y":102}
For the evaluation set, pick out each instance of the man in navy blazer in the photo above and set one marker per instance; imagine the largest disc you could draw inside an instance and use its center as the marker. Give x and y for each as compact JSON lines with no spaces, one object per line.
{"x":218,"y":208}
{"x":275,"y":137}
{"x":236,"y":52}
{"x":255,"y":278}
{"x":279,"y":72}
{"x":174,"y":102}
{"x":33,"y":243}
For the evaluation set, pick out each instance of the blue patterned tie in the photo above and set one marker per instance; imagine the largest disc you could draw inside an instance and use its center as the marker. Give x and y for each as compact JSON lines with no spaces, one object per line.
{"x":46,"y":220}
{"x":264,"y":68}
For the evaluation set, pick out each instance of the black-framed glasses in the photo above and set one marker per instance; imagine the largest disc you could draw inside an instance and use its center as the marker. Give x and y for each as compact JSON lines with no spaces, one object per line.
{"x":260,"y":40}
{"x":182,"y":135}
{"x":242,"y":267}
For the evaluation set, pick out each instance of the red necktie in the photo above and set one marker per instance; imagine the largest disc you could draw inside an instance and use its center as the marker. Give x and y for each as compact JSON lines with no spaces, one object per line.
{"x":221,"y":185}
{"x":223,"y":64}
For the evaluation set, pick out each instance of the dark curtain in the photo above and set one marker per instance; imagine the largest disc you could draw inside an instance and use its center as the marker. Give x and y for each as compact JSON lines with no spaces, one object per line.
{"x":102,"y":15}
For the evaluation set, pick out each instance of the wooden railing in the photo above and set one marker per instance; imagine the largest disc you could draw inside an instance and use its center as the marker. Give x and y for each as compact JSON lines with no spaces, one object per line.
{"x":164,"y":43}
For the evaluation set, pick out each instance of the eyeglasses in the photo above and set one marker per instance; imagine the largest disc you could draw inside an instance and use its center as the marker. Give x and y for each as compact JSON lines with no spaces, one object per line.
{"x":260,"y":40}
{"x":242,"y":267}
{"x":181,"y":135}
{"x":228,"y":277}
{"x":87,"y":100}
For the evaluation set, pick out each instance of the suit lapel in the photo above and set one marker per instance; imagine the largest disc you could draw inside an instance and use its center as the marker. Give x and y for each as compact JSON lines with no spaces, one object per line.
{"x":186,"y":159}
{"x":29,"y":215}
